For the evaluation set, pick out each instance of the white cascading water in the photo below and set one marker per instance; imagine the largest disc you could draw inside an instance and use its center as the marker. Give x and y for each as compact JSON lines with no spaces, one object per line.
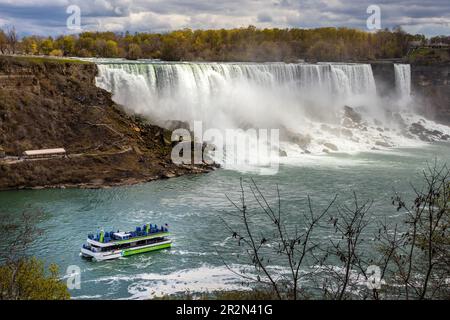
{"x":403,"y":80}
{"x":306,"y":100}
{"x":236,"y":95}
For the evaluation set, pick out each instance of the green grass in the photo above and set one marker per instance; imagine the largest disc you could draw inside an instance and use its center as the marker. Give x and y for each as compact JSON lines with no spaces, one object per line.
{"x":42,"y":60}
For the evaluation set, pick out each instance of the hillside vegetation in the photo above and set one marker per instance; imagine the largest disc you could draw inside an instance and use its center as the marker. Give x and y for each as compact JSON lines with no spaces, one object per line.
{"x":50,"y":104}
{"x":242,"y":44}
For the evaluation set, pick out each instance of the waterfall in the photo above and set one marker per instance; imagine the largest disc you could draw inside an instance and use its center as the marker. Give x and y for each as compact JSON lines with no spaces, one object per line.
{"x":235,"y":93}
{"x":163,"y":77}
{"x":305,"y":101}
{"x":403,"y":80}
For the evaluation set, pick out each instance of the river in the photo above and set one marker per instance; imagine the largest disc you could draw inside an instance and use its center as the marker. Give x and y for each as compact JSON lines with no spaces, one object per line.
{"x":192,"y":206}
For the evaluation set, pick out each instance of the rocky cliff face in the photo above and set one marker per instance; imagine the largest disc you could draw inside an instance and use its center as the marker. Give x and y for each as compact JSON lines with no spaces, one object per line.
{"x":431,"y":86}
{"x":48,"y":103}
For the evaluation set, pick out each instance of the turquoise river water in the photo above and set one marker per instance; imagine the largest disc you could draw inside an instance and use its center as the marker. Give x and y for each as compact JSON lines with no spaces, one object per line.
{"x":192,"y":206}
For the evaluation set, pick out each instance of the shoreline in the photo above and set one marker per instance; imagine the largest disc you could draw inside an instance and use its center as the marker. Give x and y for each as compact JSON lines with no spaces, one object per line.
{"x":105,"y":185}
{"x":55,"y":103}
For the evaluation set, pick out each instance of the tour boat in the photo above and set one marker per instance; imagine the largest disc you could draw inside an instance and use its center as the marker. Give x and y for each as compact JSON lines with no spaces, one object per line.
{"x":113,"y":245}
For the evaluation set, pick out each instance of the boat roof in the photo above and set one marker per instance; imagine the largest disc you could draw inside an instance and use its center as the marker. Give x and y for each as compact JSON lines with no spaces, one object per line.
{"x":122,"y":234}
{"x":135,"y":239}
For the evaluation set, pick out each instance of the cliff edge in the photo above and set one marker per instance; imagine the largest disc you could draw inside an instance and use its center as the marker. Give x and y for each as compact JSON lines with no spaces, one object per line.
{"x":54,"y":103}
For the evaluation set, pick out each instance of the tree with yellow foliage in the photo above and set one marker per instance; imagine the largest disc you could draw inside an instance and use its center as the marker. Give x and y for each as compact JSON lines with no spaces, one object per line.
{"x":23,"y":277}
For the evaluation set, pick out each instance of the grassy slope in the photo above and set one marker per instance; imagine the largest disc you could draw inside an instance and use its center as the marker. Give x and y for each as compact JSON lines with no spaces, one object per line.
{"x":52,"y":103}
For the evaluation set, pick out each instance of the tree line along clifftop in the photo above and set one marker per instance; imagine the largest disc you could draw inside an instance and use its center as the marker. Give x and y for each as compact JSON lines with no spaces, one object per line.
{"x":241,"y":44}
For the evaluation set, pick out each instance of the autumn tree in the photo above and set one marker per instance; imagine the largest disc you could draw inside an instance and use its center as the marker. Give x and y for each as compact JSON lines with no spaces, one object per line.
{"x":134,"y":52}
{"x":46,"y":46}
{"x":239,"y":44}
{"x":30,"y":45}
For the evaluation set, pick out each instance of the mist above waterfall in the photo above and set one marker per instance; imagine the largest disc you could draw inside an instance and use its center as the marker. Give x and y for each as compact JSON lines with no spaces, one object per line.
{"x":318,"y":107}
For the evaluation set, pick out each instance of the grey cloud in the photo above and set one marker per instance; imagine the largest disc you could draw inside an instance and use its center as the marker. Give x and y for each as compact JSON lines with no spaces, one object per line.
{"x":48,"y":17}
{"x":264,"y":17}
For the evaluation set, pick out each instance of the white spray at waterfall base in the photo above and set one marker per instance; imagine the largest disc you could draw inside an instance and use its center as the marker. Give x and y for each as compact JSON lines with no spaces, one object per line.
{"x":318,"y":108}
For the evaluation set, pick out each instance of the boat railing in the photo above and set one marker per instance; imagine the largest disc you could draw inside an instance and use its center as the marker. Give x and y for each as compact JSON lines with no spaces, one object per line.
{"x":143,"y":231}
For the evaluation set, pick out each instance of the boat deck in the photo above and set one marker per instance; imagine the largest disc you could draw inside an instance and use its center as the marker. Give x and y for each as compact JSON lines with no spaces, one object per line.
{"x":130,"y":240}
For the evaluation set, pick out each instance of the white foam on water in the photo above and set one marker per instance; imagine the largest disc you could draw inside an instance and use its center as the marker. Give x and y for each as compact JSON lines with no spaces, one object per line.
{"x":202,"y":279}
{"x":191,"y":253}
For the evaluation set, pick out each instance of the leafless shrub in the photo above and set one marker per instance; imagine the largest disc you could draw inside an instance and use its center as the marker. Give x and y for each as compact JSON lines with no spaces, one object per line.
{"x":418,"y":252}
{"x":293,"y":244}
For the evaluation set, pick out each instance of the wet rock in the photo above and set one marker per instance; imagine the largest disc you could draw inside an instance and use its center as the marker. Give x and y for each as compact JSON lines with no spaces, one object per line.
{"x":417,"y":128}
{"x":406,"y":134}
{"x":352,"y":114}
{"x":424,"y":134}
{"x":348,"y":123}
{"x":282,"y":153}
{"x":303,"y":141}
{"x":97,"y":182}
{"x":331,"y":146}
{"x":347,"y":132}
{"x":168,"y":175}
{"x":383,"y":144}
{"x":399,"y":120}
{"x":326,"y":151}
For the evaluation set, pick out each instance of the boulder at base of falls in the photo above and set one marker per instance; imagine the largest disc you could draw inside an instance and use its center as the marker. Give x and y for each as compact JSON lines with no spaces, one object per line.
{"x":351,"y":114}
{"x":334,"y":131}
{"x":399,"y":120}
{"x":424,"y":134}
{"x":282,"y":153}
{"x":301,"y":140}
{"x":331,"y":146}
{"x":347,"y":132}
{"x":383,"y":144}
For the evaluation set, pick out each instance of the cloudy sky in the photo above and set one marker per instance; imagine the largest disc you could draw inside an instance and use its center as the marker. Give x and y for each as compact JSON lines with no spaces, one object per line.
{"x":49,"y":17}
